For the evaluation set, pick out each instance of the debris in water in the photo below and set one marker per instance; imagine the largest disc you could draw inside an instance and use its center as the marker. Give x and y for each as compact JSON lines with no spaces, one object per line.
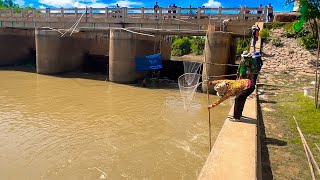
{"x":103,"y":176}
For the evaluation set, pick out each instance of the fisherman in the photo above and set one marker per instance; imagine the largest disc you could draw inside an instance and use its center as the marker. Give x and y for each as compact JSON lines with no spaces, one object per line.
{"x":247,"y":70}
{"x":258,"y":62}
{"x":228,"y":88}
{"x":241,"y":88}
{"x":255,"y":35}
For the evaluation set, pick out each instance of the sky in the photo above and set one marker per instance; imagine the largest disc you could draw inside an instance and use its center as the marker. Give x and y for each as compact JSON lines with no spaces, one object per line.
{"x":277,"y":4}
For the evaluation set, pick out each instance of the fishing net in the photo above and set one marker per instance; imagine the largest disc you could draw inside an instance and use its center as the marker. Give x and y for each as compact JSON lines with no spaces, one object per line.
{"x":189,"y":82}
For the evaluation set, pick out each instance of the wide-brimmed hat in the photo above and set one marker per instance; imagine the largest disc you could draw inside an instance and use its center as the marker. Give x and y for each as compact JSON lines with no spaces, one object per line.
{"x":254,"y":27}
{"x":246,"y":54}
{"x":256,"y":54}
{"x":221,"y":88}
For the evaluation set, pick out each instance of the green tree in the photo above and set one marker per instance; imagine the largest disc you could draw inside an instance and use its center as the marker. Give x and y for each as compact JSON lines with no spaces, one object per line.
{"x":310,"y":12}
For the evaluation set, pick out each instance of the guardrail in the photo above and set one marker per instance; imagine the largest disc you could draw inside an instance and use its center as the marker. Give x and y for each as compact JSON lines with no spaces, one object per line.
{"x":138,"y":13}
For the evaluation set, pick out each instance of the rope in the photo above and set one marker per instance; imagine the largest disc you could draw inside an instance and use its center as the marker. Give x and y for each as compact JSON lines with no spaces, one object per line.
{"x":217,"y":64}
{"x":222,"y":75}
{"x":143,"y":34}
{"x":74,"y":25}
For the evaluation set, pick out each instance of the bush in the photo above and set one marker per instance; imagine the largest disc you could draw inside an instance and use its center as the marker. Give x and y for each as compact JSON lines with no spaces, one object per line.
{"x":197,"y":45}
{"x":274,"y":25}
{"x":265,"y":35}
{"x":291,"y":32}
{"x":276,"y":42}
{"x":309,"y":42}
{"x":181,"y":47}
{"x":243,"y":45}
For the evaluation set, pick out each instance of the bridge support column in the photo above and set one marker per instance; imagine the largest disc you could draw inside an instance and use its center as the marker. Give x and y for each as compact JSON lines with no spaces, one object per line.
{"x":56,"y":54}
{"x":124,"y":48}
{"x":16,"y":45}
{"x":217,"y":50}
{"x":166,"y":49}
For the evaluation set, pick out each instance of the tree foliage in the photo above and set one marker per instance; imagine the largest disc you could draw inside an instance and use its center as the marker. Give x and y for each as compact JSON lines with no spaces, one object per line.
{"x":12,"y":5}
{"x":186,"y":45}
{"x":310,"y":12}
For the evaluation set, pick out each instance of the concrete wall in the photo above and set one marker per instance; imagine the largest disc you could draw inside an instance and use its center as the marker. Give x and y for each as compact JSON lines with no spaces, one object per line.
{"x":217,"y":50}
{"x":16,"y":45}
{"x":95,"y":43}
{"x":124,"y":48}
{"x":56,"y":54}
{"x":241,"y":26}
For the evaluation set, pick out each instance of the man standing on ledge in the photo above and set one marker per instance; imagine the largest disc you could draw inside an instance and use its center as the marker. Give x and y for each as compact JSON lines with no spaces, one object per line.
{"x":156,"y":9}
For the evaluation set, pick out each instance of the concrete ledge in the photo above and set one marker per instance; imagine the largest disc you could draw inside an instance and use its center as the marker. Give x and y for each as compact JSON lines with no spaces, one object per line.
{"x":234,"y":154}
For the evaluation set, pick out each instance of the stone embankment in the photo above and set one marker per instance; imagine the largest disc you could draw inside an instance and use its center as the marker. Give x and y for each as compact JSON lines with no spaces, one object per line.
{"x":290,"y":58}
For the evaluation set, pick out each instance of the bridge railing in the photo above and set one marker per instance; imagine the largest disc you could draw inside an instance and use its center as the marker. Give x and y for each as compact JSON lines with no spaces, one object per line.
{"x":141,"y":13}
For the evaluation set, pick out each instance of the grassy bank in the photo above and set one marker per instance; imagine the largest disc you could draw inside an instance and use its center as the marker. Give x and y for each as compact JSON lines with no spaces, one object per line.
{"x":283,"y":153}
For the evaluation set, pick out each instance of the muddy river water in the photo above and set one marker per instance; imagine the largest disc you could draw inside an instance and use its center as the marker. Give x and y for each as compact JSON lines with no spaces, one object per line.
{"x":77,"y":128}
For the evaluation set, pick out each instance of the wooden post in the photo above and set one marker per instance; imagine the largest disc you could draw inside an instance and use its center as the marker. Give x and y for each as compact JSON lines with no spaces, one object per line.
{"x":125,"y":12}
{"x":160,"y":13}
{"x":265,"y":11}
{"x":107,"y":12}
{"x":49,"y":12}
{"x":179,"y":13}
{"x":62,"y":12}
{"x":241,"y":13}
{"x":198,"y":13}
{"x":220,"y":13}
{"x":220,"y":10}
{"x":76,"y":11}
{"x":91,"y":13}
{"x":34,"y":14}
{"x":142,"y":13}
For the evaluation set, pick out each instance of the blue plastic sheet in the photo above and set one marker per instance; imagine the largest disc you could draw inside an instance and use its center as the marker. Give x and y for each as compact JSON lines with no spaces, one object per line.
{"x":150,"y":62}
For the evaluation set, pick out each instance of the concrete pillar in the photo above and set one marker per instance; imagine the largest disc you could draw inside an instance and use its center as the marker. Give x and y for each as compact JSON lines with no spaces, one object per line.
{"x":16,"y":45}
{"x":56,"y":54}
{"x":124,"y":48}
{"x":166,"y":49}
{"x":121,"y":57}
{"x":217,"y":50}
{"x":233,"y":51}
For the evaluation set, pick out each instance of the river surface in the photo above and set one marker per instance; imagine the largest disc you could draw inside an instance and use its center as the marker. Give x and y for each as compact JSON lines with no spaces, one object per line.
{"x":76,"y":128}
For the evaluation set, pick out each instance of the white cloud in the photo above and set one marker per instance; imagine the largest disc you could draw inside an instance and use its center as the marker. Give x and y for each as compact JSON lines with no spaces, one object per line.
{"x":57,"y":3}
{"x":212,"y":4}
{"x":126,"y":3}
{"x":19,"y":2}
{"x":89,"y":3}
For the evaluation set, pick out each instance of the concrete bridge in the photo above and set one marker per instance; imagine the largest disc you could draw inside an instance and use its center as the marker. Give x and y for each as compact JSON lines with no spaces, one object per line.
{"x":118,"y":34}
{"x":184,"y":18}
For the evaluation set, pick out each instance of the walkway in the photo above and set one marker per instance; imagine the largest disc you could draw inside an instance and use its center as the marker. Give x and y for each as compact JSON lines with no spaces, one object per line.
{"x":235,"y":154}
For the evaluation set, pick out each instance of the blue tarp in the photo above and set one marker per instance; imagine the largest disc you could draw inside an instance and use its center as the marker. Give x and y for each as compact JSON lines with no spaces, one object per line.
{"x":150,"y":62}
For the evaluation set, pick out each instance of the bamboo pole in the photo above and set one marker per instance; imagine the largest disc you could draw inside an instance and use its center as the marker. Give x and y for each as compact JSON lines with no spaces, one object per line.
{"x":316,"y":86}
{"x":317,"y":147}
{"x":208,"y":98}
{"x":307,"y":149}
